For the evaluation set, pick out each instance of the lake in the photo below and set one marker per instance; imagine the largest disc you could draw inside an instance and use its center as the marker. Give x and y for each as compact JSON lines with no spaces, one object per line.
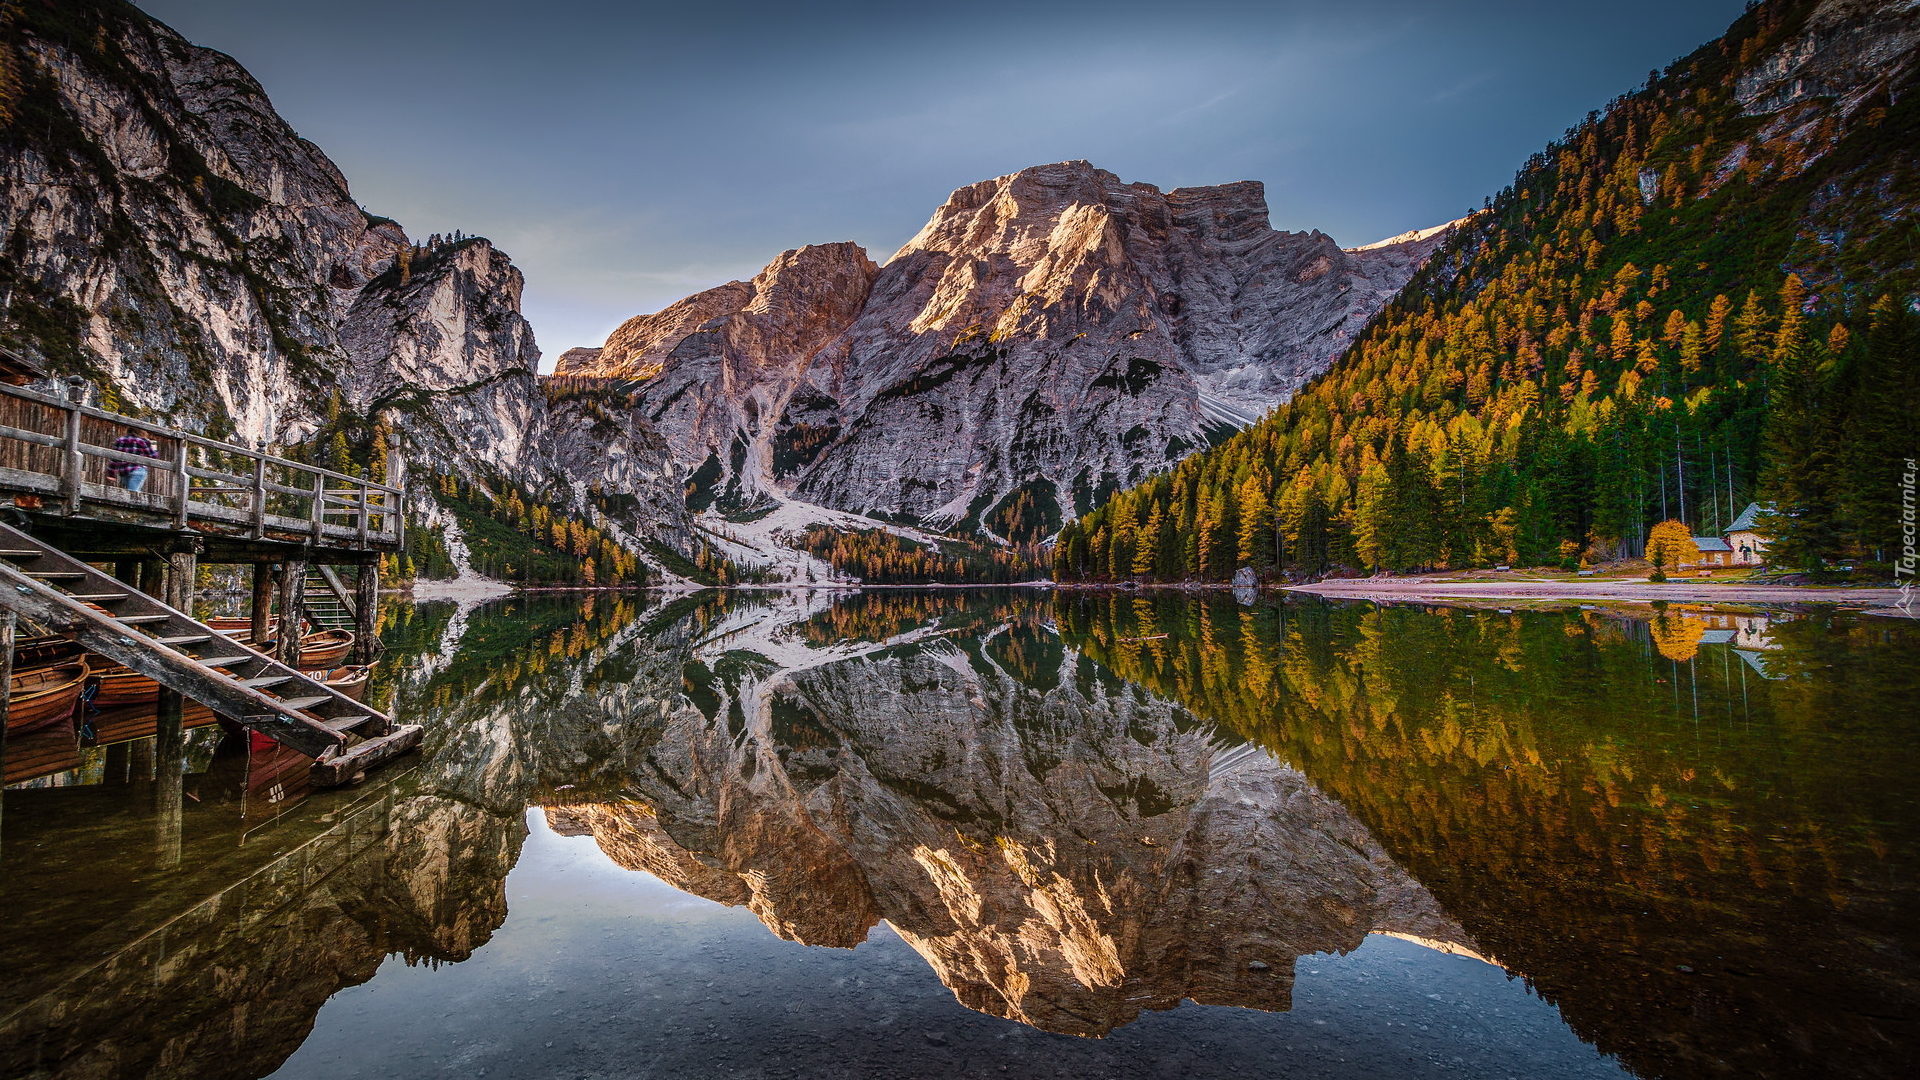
{"x":1005,"y":833}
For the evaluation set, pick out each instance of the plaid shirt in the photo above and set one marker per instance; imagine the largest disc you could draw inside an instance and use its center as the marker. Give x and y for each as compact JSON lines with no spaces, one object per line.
{"x":130,"y":444}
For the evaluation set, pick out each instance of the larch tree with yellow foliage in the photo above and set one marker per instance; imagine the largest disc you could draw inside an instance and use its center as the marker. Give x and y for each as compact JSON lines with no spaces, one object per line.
{"x":1670,"y":543}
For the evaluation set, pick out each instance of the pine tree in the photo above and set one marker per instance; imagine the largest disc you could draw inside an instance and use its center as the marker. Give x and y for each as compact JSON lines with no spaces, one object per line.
{"x":1802,"y":526}
{"x":1880,"y":377}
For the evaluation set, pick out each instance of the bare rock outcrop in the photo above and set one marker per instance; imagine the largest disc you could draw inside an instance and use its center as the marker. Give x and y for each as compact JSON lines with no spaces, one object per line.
{"x":174,"y":241}
{"x":1053,"y":332}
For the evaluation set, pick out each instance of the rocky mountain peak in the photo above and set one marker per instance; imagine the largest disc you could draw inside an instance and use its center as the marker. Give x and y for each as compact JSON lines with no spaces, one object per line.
{"x":1046,"y":335}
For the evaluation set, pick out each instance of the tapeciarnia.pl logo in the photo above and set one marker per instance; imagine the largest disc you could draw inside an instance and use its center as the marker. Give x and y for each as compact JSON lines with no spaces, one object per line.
{"x":1908,"y":563}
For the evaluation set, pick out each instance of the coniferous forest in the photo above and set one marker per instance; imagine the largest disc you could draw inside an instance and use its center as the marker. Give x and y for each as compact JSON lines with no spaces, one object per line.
{"x":1695,"y":299}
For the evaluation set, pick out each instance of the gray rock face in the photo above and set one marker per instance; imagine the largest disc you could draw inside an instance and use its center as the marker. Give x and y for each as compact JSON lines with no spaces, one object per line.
{"x":1052,"y":332}
{"x":174,"y":241}
{"x":723,"y":366}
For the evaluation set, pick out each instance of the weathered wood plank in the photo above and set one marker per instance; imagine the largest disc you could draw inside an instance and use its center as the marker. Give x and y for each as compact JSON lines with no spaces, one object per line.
{"x":98,"y":632}
{"x":334,"y":770}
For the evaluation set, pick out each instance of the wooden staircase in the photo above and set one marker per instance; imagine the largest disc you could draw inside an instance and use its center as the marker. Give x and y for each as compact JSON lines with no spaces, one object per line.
{"x":326,"y":601}
{"x":79,"y":602}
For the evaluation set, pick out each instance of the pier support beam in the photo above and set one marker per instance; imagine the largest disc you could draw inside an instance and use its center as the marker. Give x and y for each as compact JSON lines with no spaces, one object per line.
{"x":170,"y":736}
{"x":293,"y":584}
{"x":366,"y":613}
{"x":153,"y":578}
{"x":260,"y":617}
{"x":9,"y":623}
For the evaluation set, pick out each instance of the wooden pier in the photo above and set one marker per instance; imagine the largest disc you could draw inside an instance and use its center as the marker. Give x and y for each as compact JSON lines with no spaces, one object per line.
{"x":66,"y":505}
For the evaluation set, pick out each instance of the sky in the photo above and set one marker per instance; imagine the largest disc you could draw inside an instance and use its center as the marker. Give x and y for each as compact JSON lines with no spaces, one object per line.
{"x":629,"y":154}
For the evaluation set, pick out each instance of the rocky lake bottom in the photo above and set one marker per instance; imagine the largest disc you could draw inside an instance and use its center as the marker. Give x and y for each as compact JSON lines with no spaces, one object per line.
{"x":1004,"y":833}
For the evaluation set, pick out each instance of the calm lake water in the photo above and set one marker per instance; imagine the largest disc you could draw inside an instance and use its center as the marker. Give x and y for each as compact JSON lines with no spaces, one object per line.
{"x":1005,"y":834}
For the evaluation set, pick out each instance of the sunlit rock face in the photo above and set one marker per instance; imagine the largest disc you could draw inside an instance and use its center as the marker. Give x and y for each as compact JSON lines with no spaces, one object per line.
{"x":1063,"y":849}
{"x":172,"y":238}
{"x":723,"y":366}
{"x":1056,"y":327}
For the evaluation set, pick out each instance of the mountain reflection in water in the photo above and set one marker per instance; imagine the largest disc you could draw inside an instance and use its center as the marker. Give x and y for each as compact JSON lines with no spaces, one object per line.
{"x":1689,"y":831}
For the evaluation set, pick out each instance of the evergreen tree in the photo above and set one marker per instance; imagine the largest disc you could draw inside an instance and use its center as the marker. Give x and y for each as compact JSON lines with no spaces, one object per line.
{"x":1802,"y":526}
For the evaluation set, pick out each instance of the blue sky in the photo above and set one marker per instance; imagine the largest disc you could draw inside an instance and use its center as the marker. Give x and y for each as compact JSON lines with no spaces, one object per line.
{"x":627,"y":155}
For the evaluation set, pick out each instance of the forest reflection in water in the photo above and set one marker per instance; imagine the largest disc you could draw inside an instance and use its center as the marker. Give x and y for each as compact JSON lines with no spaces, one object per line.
{"x":1688,"y":830}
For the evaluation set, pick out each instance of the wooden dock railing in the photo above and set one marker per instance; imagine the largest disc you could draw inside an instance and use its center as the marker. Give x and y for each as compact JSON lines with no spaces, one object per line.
{"x":61,"y":453}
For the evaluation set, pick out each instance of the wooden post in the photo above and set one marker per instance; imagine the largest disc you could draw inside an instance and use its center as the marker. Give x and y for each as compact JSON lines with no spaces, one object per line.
{"x":8,"y":622}
{"x":170,"y":737}
{"x":153,"y":579}
{"x":119,"y":760}
{"x":397,"y":479}
{"x":293,"y":582}
{"x":319,"y":508}
{"x":259,"y":495}
{"x":363,"y":510}
{"x":182,"y":567}
{"x":76,"y":463}
{"x":185,"y":495}
{"x":366,"y":613}
{"x":261,"y":616}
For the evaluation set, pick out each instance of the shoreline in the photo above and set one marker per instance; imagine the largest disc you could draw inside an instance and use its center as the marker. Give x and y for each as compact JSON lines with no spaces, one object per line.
{"x":1874,"y":599}
{"x":1686,"y":592}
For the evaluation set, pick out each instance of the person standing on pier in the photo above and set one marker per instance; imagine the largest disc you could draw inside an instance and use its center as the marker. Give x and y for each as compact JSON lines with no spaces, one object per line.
{"x":131,"y":476}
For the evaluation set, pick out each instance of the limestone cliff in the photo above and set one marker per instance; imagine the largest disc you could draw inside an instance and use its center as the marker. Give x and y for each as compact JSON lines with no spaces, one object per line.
{"x":172,"y":240}
{"x":1054,"y":332}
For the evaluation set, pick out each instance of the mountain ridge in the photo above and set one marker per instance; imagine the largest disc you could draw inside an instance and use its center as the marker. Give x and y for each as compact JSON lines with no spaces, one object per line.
{"x":1048,"y":334}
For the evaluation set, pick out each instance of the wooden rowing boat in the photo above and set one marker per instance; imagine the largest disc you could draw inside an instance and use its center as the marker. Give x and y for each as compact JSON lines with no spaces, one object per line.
{"x":350,"y":681}
{"x":325,"y":649}
{"x":116,"y":684}
{"x":44,"y":696}
{"x":39,"y":652}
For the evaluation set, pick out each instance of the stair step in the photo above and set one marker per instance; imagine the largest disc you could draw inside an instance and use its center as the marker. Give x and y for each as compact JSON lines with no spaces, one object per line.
{"x":98,"y":597}
{"x":183,"y":639}
{"x":346,"y":723}
{"x":58,"y":575}
{"x":224,"y":661}
{"x":20,"y":553}
{"x":136,"y":620}
{"x":298,"y":703}
{"x":263,"y":683}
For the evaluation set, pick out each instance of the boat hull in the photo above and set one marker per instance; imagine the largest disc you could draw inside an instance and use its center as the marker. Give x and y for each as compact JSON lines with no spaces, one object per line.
{"x":44,"y":697}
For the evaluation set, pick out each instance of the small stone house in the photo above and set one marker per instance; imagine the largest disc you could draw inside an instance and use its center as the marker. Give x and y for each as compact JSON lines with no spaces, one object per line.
{"x":1741,"y":546}
{"x":1749,"y":547}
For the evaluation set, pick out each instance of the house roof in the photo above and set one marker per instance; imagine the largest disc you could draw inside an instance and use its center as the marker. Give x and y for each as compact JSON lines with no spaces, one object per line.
{"x":1748,"y":517}
{"x":1711,"y":543}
